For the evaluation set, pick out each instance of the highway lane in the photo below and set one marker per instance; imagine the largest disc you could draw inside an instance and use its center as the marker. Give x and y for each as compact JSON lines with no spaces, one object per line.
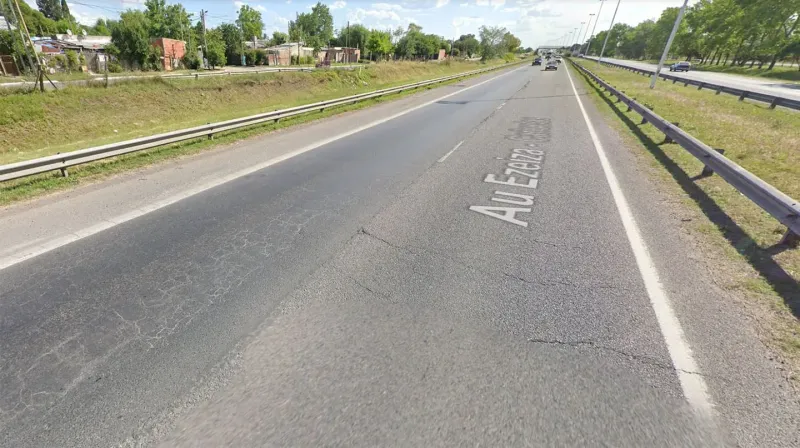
{"x":135,"y":314}
{"x":761,"y":85}
{"x":350,"y":295}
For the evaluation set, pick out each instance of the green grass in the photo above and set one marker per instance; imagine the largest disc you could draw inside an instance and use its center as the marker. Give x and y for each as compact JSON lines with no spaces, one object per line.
{"x":393,"y":74}
{"x":765,"y":142}
{"x":37,"y":124}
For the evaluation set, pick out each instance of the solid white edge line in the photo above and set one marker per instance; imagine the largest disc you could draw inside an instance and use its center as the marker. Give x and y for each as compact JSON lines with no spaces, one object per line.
{"x":451,"y":151}
{"x":693,"y":385}
{"x":40,"y":249}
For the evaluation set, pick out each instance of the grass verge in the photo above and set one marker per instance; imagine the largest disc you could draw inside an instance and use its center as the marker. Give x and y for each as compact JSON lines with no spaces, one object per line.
{"x":37,"y":124}
{"x":732,"y":229}
{"x":30,"y":187}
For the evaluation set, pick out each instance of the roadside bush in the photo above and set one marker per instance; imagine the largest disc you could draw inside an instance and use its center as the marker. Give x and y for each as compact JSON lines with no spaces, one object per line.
{"x":250,"y":57}
{"x":114,"y":67}
{"x":72,"y":60}
{"x":153,"y":60}
{"x":509,"y":57}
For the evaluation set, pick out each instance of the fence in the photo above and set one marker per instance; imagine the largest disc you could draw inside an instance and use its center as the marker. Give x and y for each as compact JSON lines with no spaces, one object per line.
{"x":783,"y":208}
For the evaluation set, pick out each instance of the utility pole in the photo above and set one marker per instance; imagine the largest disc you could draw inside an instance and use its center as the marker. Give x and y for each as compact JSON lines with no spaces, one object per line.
{"x":608,"y":34}
{"x":591,"y":36}
{"x":585,"y":33}
{"x":669,"y":44}
{"x":39,"y":69}
{"x":205,"y":42}
{"x":21,"y":36}
{"x":347,"y":43}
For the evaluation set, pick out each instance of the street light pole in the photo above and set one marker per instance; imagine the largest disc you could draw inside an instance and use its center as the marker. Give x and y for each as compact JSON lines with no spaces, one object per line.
{"x":578,"y":36}
{"x":600,"y":59}
{"x":591,"y":36}
{"x":585,"y":33}
{"x":669,"y":44}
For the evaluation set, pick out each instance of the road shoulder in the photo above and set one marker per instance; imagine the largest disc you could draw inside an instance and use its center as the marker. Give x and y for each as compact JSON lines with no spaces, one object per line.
{"x":726,"y":330}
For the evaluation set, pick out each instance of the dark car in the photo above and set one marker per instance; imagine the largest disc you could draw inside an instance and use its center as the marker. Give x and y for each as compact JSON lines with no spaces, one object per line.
{"x":551,"y":65}
{"x":682,"y":66}
{"x":537,"y":61}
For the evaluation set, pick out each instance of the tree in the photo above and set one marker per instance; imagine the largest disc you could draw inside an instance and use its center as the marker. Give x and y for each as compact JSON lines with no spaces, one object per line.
{"x":65,"y":9}
{"x":467,"y":44}
{"x":315,"y":28}
{"x":379,"y":43}
{"x":355,"y":36}
{"x":491,"y":41}
{"x":511,"y":42}
{"x":250,"y":23}
{"x":131,"y":37}
{"x":279,"y":38}
{"x":100,"y":28}
{"x":216,"y":48}
{"x":50,"y":8}
{"x":232,"y":37}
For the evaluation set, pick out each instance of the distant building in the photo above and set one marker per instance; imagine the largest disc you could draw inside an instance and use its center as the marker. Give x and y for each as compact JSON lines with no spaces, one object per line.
{"x":172,"y":52}
{"x":339,"y":54}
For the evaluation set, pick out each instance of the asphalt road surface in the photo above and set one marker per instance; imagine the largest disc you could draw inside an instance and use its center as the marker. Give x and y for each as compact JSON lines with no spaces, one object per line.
{"x":762,"y":85}
{"x":481,"y":264}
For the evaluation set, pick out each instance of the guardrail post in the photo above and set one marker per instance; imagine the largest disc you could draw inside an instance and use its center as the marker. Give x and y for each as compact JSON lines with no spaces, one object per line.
{"x":210,"y":134}
{"x":708,"y":171}
{"x":700,"y":87}
{"x":196,"y":76}
{"x":64,"y":172}
{"x":790,"y":239}
{"x":686,"y":84}
{"x":775,"y":102}
{"x":719,"y":90}
{"x":674,"y":80}
{"x":742,"y":96}
{"x":644,"y":120}
{"x":667,"y":138}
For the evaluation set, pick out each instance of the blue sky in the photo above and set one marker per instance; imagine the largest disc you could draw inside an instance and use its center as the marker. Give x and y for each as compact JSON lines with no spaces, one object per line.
{"x":536,"y":22}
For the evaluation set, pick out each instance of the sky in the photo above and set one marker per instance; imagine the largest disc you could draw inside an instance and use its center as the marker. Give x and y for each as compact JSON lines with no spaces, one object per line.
{"x":535,"y":22}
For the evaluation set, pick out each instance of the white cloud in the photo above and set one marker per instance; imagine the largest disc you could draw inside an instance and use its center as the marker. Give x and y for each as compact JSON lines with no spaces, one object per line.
{"x":339,"y":4}
{"x":464,"y":4}
{"x":238,"y":4}
{"x":261,"y":8}
{"x":440,"y":3}
{"x":386,"y":7}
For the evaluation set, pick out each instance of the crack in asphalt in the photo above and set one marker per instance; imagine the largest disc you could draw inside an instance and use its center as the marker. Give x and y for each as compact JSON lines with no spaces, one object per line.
{"x":643,"y":359}
{"x":450,"y":257}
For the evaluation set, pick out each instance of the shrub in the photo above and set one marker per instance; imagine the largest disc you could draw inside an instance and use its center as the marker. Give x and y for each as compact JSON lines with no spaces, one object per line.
{"x":114,"y":67}
{"x":509,"y":57}
{"x":72,"y":60}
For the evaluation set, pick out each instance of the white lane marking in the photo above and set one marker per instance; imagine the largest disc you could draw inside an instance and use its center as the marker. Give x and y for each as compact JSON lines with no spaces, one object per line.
{"x":693,"y":385}
{"x":451,"y":151}
{"x":501,"y":106}
{"x":40,"y":249}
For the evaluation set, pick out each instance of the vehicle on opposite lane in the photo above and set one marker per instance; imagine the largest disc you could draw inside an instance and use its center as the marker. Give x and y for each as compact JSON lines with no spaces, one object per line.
{"x":683,"y":66}
{"x":537,"y":61}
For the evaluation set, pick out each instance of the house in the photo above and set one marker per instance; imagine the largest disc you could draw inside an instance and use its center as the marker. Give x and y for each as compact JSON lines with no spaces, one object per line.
{"x":339,"y":54}
{"x":91,"y":47}
{"x":172,"y":52}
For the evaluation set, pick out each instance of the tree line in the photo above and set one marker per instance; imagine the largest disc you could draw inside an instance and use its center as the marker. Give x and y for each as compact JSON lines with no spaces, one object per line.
{"x":132,"y":33}
{"x":735,"y":32}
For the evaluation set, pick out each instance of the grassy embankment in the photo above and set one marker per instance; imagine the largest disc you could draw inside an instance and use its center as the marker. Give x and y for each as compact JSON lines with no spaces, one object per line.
{"x":35,"y":125}
{"x":765,"y":142}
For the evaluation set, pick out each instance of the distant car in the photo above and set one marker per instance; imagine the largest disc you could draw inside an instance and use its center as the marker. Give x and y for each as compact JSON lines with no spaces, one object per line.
{"x":537,"y":61}
{"x":551,"y":65}
{"x":682,"y":66}
{"x":558,"y":59}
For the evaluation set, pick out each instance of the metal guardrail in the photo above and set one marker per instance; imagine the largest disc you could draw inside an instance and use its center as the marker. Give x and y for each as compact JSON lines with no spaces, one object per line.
{"x":773,"y":100}
{"x":783,"y":208}
{"x":63,"y":161}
